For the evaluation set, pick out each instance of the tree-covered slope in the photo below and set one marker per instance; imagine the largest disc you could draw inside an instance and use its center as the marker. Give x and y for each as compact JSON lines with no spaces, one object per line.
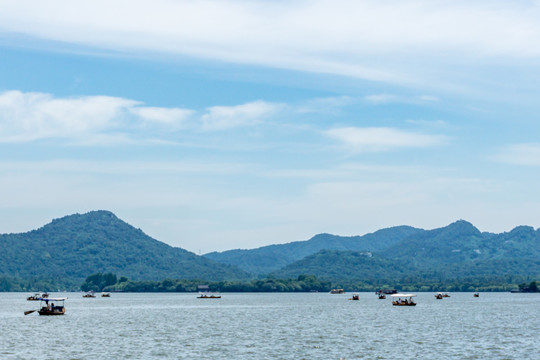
{"x":273,"y":257}
{"x":78,"y":245}
{"x":340,"y":265}
{"x":461,"y":242}
{"x":457,"y":251}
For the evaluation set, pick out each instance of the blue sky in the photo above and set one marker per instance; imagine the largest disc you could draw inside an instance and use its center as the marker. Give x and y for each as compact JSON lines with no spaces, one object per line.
{"x":214,"y":125}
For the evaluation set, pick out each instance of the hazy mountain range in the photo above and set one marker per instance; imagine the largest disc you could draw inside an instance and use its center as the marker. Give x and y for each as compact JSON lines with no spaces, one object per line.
{"x":76,"y":246}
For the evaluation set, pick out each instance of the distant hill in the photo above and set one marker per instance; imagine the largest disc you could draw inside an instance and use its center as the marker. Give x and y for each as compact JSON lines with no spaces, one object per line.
{"x":458,"y":250}
{"x":76,"y":246}
{"x":270,"y":258}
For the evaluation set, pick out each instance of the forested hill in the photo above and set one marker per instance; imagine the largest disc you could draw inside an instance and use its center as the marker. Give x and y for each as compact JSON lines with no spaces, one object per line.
{"x":457,"y":251}
{"x":78,"y":245}
{"x":273,"y":257}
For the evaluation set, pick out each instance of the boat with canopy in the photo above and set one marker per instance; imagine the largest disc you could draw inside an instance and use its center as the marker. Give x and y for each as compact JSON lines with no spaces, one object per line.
{"x":50,"y":306}
{"x":403,"y":299}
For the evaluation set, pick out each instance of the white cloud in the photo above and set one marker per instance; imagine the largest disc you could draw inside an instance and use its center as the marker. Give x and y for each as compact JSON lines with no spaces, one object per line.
{"x":168,"y":116}
{"x":325,"y":105}
{"x":371,"y":139}
{"x":347,"y":37}
{"x":32,"y":116}
{"x":380,"y":99}
{"x":94,"y":120}
{"x":226,"y":117}
{"x":527,"y":154}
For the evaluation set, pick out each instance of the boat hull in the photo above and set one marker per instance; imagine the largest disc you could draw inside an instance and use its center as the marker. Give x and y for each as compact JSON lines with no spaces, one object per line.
{"x":51,"y":312}
{"x":397,"y":304}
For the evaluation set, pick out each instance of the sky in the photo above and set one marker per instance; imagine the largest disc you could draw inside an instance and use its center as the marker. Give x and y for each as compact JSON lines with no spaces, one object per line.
{"x":221,"y":124}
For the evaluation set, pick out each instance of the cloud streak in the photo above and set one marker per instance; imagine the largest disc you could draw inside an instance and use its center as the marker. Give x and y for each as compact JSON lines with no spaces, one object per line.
{"x":345,"y":37}
{"x":90,"y":120}
{"x":525,"y":154}
{"x":375,"y":139}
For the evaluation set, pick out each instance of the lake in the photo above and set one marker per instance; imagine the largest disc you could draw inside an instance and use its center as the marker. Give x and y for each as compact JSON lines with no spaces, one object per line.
{"x":273,"y":326}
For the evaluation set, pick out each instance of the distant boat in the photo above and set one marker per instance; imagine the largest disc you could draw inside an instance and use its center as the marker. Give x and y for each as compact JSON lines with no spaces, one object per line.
{"x":105,"y":295}
{"x":208,"y":296}
{"x":476,"y":295}
{"x":382,"y":297}
{"x":89,"y":294}
{"x":37,"y":296}
{"x":355,"y":297}
{"x":337,"y":291}
{"x":438,"y":296}
{"x":403,"y":299}
{"x":50,"y":308}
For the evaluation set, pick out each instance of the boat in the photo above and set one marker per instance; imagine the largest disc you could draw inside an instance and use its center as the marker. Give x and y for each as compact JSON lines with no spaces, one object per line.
{"x":105,"y":295}
{"x":403,"y":299}
{"x":476,"y":295}
{"x":337,"y":291}
{"x":438,"y":296}
{"x":208,"y":296}
{"x":37,"y":296}
{"x":50,"y":306}
{"x":355,"y":297}
{"x":382,"y":297}
{"x":89,"y":294}
{"x":445,"y":295}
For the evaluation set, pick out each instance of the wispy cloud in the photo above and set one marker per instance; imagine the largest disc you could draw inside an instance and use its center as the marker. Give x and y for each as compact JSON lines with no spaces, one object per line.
{"x":325,"y":105}
{"x":382,"y":99}
{"x":92,"y":120}
{"x":347,"y":37}
{"x":526,"y":154}
{"x":226,"y":117}
{"x":373,"y":139}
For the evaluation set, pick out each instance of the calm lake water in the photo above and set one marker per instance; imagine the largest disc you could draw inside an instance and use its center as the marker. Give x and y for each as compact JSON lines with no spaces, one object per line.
{"x":273,"y":326}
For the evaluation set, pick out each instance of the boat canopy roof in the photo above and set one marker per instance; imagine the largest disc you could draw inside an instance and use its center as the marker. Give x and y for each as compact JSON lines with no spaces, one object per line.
{"x":53,"y":299}
{"x":403,"y":295}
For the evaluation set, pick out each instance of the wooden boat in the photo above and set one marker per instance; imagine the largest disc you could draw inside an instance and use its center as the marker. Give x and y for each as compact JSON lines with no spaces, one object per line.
{"x":37,"y":296}
{"x":355,"y":297}
{"x":403,"y":299}
{"x":105,"y":295}
{"x":50,"y":306}
{"x":89,"y":294}
{"x":476,"y":295}
{"x":337,"y":291}
{"x":206,"y":296}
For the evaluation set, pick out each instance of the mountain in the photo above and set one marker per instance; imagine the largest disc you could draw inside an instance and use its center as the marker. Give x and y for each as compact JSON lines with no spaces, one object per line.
{"x":458,"y":250}
{"x":270,"y":258}
{"x":76,"y":246}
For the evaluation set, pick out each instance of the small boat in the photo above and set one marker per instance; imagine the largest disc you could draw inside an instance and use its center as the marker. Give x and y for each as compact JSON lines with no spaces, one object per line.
{"x":337,"y":291}
{"x":438,"y":296}
{"x":445,"y":295}
{"x":37,"y":296}
{"x":403,"y":299}
{"x":382,"y":297}
{"x":47,"y":306}
{"x":105,"y":295}
{"x":355,"y":297}
{"x":476,"y":295}
{"x":89,"y":294}
{"x":208,"y":296}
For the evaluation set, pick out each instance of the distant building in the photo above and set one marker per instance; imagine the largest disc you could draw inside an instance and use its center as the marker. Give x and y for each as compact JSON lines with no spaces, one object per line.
{"x":203,"y":288}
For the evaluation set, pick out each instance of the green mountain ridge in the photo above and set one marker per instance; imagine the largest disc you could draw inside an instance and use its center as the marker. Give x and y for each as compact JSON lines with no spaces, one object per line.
{"x":76,"y":246}
{"x":270,"y":258}
{"x":69,"y":249}
{"x":458,"y":250}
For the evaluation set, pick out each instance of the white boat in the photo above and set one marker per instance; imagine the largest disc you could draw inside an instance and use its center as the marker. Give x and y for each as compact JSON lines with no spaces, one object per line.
{"x":403,"y":299}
